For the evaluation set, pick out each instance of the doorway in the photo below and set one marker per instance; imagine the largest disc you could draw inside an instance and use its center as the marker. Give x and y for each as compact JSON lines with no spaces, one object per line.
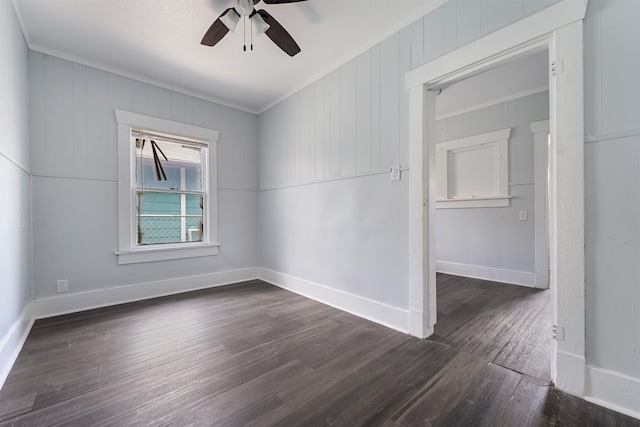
{"x":490,"y":223}
{"x":558,"y":29}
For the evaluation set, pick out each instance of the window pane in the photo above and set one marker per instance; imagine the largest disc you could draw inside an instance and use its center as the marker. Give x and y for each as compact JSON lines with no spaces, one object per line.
{"x":182,"y":168}
{"x":169,"y":218}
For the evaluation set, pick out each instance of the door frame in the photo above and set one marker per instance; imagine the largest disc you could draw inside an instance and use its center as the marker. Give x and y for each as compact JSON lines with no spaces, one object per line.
{"x":559,"y":29}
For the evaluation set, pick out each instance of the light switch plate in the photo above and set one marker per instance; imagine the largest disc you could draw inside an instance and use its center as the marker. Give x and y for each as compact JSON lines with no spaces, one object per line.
{"x":523,"y":216}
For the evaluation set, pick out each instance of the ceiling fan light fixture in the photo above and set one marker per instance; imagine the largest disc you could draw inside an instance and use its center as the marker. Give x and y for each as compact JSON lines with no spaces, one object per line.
{"x":230,"y":20}
{"x":245,"y":7}
{"x":260,"y":24}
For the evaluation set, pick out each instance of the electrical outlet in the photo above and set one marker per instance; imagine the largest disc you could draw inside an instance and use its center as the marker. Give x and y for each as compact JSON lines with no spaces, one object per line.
{"x":523,"y":216}
{"x":63,"y":285}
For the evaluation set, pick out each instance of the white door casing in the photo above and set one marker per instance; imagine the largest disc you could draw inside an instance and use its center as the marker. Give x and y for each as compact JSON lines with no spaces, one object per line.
{"x":557,"y":28}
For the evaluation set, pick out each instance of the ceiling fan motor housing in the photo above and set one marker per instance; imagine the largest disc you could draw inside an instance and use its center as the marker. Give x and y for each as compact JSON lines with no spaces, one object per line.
{"x":245,"y":7}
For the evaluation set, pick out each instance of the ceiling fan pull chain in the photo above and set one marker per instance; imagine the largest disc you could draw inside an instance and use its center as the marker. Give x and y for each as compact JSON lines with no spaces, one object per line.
{"x":244,"y":32}
{"x":251,"y":29}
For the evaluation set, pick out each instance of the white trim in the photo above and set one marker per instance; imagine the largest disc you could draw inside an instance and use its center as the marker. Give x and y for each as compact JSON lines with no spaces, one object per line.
{"x":476,"y":202}
{"x":189,"y":250}
{"x":13,"y":342}
{"x":81,"y":301}
{"x":558,"y":28}
{"x":498,"y":196}
{"x":540,"y":132}
{"x":541,"y":126}
{"x":479,"y":139}
{"x":530,"y":32}
{"x":493,"y":102}
{"x":613,"y":135}
{"x":386,"y":315}
{"x":137,"y":121}
{"x":513,"y":277}
{"x":613,"y":390}
{"x":128,"y":252}
{"x":570,"y":374}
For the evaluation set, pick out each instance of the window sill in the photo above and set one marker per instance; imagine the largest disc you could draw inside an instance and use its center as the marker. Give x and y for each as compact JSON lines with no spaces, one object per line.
{"x":165,"y":254}
{"x":476,"y":202}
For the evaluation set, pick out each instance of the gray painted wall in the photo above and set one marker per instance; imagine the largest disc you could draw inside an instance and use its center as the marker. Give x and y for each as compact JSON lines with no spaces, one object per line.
{"x":612,"y":129}
{"x":338,"y":116}
{"x":352,"y":126}
{"x":494,"y":237}
{"x":15,"y":191}
{"x":74,"y":161}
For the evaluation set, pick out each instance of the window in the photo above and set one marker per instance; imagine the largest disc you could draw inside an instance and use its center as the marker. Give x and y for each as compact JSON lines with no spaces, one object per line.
{"x":473,"y":172}
{"x":167,"y":197}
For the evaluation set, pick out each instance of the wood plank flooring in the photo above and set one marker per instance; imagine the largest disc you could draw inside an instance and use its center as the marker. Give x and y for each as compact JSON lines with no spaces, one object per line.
{"x":253,"y":354}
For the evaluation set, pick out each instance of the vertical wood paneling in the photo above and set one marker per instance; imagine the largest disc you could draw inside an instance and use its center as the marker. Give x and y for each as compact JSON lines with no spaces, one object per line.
{"x":328,"y":128}
{"x":405,"y":67}
{"x":529,"y":7}
{"x":375,"y":108}
{"x":620,"y":32}
{"x":363,"y":82}
{"x":433,"y":34}
{"x":449,"y":26}
{"x":312,"y":133}
{"x":74,"y":131}
{"x":320,"y":127}
{"x":417,"y":43}
{"x":36,"y":111}
{"x":98,"y":116}
{"x":469,"y":26}
{"x":120,"y":91}
{"x":355,"y":119}
{"x":335,"y":123}
{"x":303,"y":135}
{"x":593,"y":70}
{"x":58,"y":104}
{"x":389,"y":102}
{"x":140,"y":97}
{"x":178,"y":102}
{"x":290,"y":137}
{"x":80,"y":134}
{"x":348,"y":112}
{"x":496,"y":14}
{"x":164,"y":104}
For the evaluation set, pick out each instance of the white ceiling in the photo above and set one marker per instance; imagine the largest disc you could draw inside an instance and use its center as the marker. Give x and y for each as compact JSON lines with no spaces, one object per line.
{"x":158,"y":41}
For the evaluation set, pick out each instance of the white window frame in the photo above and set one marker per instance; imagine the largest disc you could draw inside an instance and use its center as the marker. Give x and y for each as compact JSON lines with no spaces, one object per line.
{"x":128,"y":251}
{"x":499,"y":142}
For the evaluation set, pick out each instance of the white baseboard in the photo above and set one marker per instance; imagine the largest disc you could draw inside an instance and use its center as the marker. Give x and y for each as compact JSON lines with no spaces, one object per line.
{"x":613,"y":390}
{"x":12,"y":343}
{"x":80,"y":301}
{"x":392,"y":317}
{"x":570,"y":373}
{"x":514,"y":277}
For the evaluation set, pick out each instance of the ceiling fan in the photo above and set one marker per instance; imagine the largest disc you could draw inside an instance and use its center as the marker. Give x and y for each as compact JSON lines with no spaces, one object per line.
{"x":264,"y":22}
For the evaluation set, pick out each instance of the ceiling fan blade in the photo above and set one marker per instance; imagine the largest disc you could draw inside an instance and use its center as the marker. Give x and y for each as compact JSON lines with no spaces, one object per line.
{"x":216,"y":31}
{"x":281,"y":1}
{"x":279,"y":35}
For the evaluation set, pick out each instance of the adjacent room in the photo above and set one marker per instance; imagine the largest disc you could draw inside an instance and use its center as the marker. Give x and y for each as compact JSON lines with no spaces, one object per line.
{"x":318,"y":212}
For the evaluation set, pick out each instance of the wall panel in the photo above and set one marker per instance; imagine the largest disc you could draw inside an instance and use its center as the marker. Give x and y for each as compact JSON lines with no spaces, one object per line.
{"x":75,"y":175}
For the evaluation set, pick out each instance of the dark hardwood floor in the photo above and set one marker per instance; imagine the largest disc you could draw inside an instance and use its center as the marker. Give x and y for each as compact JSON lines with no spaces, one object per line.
{"x":253,"y":354}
